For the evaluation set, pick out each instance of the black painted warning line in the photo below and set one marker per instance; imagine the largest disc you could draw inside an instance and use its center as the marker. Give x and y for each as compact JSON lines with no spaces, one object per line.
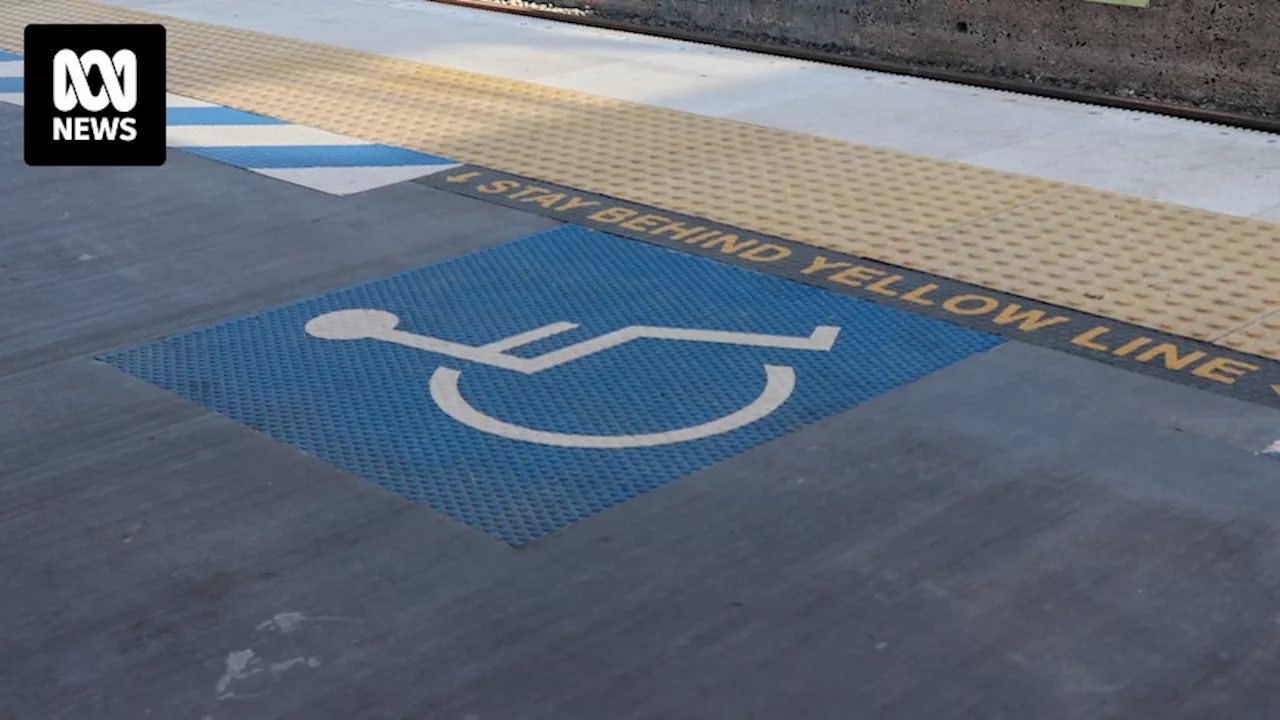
{"x":1170,"y":357}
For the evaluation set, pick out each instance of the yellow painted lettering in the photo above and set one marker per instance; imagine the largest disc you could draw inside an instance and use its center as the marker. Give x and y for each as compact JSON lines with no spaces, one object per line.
{"x":1132,"y":345}
{"x":498,"y":186}
{"x":644,"y":223}
{"x":526,"y":192}
{"x":677,"y":230}
{"x":856,"y":275}
{"x":1028,"y":320}
{"x":576,"y":202}
{"x":963,"y":304}
{"x":917,"y":296}
{"x":767,"y":252}
{"x":1170,"y":354}
{"x":820,"y":263}
{"x":1223,"y":369}
{"x":729,"y":244}
{"x":1086,"y":339}
{"x":881,"y":286}
{"x":612,"y":215}
{"x":704,"y":236}
{"x":547,"y":200}
{"x":463,"y":177}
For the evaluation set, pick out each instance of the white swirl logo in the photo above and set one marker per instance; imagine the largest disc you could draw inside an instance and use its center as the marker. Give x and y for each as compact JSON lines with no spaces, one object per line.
{"x":119,"y":81}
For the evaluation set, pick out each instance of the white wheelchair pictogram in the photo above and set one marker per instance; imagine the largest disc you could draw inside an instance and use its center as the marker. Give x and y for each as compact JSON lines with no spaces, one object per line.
{"x":368,"y":324}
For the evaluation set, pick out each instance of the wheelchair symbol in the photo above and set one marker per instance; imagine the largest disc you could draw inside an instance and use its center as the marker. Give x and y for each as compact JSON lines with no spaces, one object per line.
{"x":780,"y":380}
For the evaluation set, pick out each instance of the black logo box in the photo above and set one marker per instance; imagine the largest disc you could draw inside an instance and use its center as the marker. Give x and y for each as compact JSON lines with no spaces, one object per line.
{"x":41,"y":44}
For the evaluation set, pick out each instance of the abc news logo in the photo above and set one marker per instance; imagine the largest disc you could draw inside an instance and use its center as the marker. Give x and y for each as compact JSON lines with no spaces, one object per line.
{"x":95,"y":95}
{"x":71,"y":91}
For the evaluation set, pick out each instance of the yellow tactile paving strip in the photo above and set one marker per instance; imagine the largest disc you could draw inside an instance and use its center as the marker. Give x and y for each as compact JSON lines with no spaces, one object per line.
{"x":1186,"y":272}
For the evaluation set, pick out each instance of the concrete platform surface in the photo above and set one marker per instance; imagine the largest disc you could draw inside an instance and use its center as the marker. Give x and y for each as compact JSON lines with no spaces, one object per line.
{"x":1202,"y":275}
{"x":1021,"y":534}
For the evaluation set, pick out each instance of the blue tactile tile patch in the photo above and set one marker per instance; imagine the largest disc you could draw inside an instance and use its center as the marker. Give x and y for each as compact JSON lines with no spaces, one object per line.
{"x":515,"y":439}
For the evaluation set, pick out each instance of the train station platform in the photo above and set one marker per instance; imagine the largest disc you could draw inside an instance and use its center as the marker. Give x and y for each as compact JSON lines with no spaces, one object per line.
{"x":468,"y":367}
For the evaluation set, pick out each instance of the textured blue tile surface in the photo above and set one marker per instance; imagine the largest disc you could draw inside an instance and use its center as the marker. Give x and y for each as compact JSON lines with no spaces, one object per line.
{"x":215,"y":116}
{"x":365,"y":406}
{"x":309,"y":156}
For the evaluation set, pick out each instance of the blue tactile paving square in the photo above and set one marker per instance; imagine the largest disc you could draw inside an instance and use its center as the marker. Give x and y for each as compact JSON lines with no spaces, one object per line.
{"x":403,"y":411}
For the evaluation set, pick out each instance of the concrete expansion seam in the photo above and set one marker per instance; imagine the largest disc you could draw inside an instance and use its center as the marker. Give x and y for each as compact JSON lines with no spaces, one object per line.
{"x":1273,"y":313}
